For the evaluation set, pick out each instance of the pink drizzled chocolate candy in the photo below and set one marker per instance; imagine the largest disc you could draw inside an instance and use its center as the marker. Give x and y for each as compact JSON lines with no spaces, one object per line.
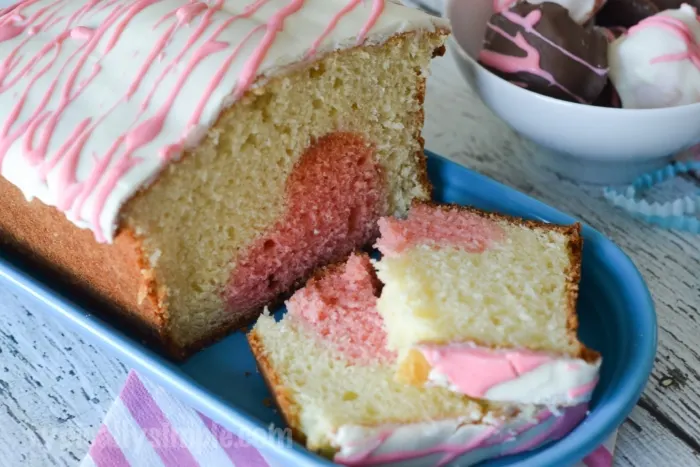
{"x":542,"y":49}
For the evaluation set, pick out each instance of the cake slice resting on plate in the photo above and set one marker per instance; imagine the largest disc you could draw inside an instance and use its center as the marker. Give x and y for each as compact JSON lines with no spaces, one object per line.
{"x":485,"y":305}
{"x":328,"y":366}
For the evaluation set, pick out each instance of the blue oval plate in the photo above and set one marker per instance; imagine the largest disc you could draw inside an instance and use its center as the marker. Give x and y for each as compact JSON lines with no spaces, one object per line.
{"x":616,"y":314}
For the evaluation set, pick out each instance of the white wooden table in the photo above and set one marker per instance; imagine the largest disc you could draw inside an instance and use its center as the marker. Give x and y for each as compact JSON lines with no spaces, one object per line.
{"x":55,"y":388}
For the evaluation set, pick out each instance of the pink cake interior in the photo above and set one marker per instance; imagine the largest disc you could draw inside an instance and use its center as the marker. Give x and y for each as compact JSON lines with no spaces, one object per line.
{"x":334,"y":197}
{"x":433,"y":225}
{"x":340,"y":307}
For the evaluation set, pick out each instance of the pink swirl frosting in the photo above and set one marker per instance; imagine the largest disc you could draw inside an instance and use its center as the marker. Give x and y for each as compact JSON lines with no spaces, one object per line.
{"x":511,"y":375}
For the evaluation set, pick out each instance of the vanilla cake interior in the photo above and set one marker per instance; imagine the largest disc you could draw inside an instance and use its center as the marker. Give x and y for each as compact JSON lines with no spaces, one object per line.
{"x":453,"y":274}
{"x":293,"y":176}
{"x":328,"y":358}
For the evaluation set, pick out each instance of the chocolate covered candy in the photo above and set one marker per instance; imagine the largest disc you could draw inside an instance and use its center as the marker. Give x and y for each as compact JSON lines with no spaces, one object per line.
{"x":657,"y":63}
{"x":542,"y":49}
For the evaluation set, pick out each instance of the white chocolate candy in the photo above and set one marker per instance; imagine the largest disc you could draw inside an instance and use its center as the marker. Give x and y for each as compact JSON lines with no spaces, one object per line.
{"x":657,"y":63}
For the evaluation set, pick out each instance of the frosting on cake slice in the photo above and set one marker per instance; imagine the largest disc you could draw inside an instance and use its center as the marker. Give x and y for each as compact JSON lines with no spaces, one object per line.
{"x":484,"y":305}
{"x":327,"y":364}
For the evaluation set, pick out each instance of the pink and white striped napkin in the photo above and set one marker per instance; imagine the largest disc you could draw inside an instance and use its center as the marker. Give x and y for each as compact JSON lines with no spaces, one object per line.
{"x":148,"y":427}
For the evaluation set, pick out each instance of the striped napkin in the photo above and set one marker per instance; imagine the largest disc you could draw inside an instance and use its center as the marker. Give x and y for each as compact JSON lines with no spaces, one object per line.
{"x":148,"y":427}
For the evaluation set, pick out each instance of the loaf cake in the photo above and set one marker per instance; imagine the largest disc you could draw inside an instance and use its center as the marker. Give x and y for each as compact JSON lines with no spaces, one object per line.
{"x":327,"y":364}
{"x":485,"y":305}
{"x":190,"y":162}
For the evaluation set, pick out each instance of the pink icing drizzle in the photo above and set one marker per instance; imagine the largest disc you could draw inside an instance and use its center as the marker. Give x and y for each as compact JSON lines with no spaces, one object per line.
{"x":530,"y":63}
{"x":475,"y":370}
{"x":524,"y":362}
{"x":528,"y":24}
{"x":503,"y":5}
{"x":377,"y":9}
{"x":187,"y":13}
{"x":584,"y":389}
{"x":678,"y":28}
{"x":9,"y":29}
{"x":110,"y":167}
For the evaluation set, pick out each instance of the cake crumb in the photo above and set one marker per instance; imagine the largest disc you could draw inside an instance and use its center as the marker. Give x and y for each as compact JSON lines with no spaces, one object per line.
{"x":247,"y":374}
{"x":267,"y":402}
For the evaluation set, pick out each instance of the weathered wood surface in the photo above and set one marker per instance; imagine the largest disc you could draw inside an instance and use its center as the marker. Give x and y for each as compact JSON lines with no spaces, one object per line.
{"x":55,"y":389}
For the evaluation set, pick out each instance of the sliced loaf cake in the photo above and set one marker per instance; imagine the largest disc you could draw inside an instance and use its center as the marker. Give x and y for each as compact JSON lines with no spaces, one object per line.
{"x":189,"y":162}
{"x":485,"y":305}
{"x":327,"y":364}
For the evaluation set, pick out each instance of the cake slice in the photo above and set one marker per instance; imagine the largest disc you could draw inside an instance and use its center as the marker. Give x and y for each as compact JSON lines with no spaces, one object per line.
{"x":332,"y":376}
{"x":485,"y":305}
{"x":190,"y":162}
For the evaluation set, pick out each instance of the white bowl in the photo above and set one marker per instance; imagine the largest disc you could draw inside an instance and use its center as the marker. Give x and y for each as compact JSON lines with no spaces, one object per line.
{"x":591,"y":144}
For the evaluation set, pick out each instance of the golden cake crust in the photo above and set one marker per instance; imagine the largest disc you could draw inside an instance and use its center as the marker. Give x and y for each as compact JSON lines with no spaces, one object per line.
{"x":281,"y":395}
{"x":421,"y":159}
{"x":116,"y":273}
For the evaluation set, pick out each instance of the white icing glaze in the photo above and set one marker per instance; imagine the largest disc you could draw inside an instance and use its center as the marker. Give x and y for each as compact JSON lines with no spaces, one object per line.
{"x":441,"y":441}
{"x":98,"y":98}
{"x":641,"y":80}
{"x":554,"y":384}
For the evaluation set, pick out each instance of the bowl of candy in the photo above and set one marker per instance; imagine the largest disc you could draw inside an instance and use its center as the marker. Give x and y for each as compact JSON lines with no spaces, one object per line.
{"x":611,"y":88}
